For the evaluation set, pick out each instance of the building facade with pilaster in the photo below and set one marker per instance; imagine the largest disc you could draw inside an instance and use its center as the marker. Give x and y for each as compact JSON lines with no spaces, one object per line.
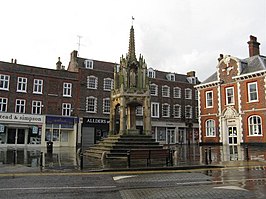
{"x":232,"y":101}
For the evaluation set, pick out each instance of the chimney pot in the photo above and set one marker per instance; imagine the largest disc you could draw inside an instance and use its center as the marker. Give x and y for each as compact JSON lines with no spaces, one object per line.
{"x":74,"y":54}
{"x":221,"y":57}
{"x":191,"y":74}
{"x":58,"y":64}
{"x":254,"y":46}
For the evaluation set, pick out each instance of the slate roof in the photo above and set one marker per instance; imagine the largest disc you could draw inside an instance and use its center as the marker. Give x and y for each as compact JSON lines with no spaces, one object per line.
{"x":248,"y":65}
{"x":255,"y":63}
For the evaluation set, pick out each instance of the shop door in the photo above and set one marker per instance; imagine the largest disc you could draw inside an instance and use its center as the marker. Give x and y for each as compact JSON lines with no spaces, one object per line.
{"x":232,"y":135}
{"x":21,"y":136}
{"x":182,"y":136}
{"x":11,"y":136}
{"x":170,"y":136}
{"x":15,"y":136}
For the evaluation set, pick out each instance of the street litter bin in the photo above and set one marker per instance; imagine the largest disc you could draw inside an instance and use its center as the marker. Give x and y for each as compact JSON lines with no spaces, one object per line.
{"x":49,"y":147}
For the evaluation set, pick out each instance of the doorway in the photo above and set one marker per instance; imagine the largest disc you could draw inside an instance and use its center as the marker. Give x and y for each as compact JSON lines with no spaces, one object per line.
{"x":170,"y":134}
{"x":232,"y":135}
{"x":181,"y":136}
{"x":15,"y":136}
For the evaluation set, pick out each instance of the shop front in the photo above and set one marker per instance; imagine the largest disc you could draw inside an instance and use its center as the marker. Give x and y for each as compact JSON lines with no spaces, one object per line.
{"x":20,"y":129}
{"x":175,"y":133}
{"x":93,"y":130}
{"x":62,"y":131}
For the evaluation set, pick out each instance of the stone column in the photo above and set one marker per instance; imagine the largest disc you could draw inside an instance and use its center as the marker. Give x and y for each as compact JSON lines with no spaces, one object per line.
{"x":112,"y":120}
{"x":147,"y":116}
{"x":122,"y":117}
{"x":131,"y":117}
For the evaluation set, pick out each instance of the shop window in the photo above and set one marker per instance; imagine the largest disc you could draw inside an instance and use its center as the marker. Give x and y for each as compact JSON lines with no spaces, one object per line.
{"x":161,"y":135}
{"x":48,"y":135}
{"x":58,"y":132}
{"x":55,"y":134}
{"x":64,"y":136}
{"x":34,"y":135}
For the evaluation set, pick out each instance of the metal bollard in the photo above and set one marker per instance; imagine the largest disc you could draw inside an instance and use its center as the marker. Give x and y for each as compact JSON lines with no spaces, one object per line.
{"x":81,"y":161}
{"x":41,"y":161}
{"x":210,"y":155}
{"x":14,"y":157}
{"x":247,"y":156}
{"x":206,"y":156}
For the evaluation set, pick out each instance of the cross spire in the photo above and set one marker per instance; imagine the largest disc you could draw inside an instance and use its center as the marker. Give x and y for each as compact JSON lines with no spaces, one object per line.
{"x":131,"y":48}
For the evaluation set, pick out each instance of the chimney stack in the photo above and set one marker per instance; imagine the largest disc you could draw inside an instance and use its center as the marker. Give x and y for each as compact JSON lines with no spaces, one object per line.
{"x":74,"y":55}
{"x":221,"y":57}
{"x":58,"y":64}
{"x":253,"y":46}
{"x":191,"y":74}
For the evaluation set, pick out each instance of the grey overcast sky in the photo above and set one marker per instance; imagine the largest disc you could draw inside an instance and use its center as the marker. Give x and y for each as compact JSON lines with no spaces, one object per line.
{"x":172,"y":35}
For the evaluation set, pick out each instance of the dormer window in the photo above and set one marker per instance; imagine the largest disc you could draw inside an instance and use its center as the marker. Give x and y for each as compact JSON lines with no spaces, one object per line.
{"x":170,"y":77}
{"x":88,"y":64}
{"x":151,"y":73}
{"x":192,"y":80}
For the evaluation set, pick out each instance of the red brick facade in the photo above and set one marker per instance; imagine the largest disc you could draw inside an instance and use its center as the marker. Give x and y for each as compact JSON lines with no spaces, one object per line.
{"x":237,"y":92}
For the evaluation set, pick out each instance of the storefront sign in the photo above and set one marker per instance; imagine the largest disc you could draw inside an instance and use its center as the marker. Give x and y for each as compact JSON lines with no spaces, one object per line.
{"x":96,"y":121}
{"x":34,"y":130}
{"x":24,"y":118}
{"x":2,"y":128}
{"x":59,"y":120}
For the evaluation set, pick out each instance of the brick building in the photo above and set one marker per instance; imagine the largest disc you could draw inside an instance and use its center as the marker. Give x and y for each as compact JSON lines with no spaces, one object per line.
{"x":232,"y":101}
{"x":36,"y":105}
{"x":174,"y":109}
{"x":72,"y":107}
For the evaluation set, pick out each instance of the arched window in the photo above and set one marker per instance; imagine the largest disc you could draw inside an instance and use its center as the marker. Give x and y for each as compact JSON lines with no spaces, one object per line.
{"x":210,"y":128}
{"x":254,"y":125}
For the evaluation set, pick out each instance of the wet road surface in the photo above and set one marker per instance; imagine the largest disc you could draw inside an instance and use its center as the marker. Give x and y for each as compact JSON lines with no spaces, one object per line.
{"x":230,"y":182}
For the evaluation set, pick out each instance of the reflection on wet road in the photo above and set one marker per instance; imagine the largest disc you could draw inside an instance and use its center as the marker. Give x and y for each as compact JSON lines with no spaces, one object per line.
{"x":62,"y":158}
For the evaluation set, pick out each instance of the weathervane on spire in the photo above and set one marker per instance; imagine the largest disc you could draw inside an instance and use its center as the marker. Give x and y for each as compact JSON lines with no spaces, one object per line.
{"x":133,"y":20}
